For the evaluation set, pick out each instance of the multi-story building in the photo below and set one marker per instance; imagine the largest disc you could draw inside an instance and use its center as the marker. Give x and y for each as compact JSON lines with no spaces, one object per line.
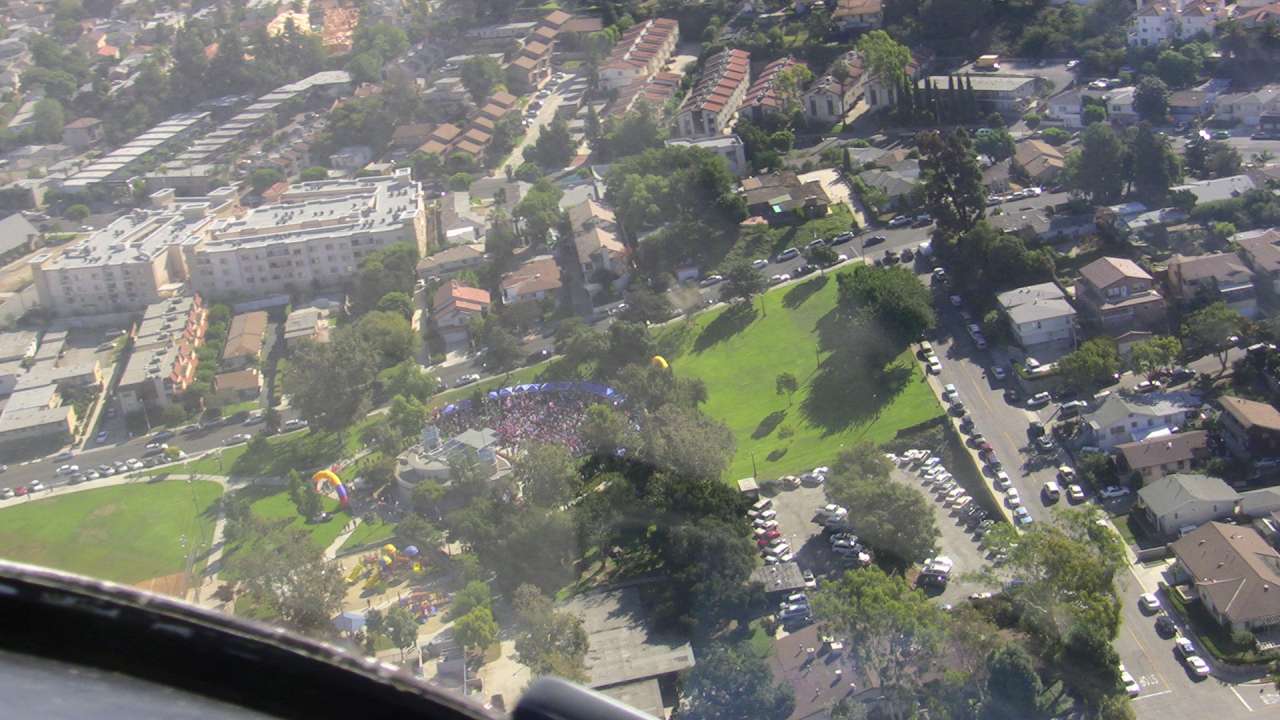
{"x":768,"y":95}
{"x":245,"y":338}
{"x":640,"y":52}
{"x":163,"y":362}
{"x":1217,"y":276}
{"x":1121,"y":295}
{"x":176,"y":320}
{"x":135,"y":261}
{"x":830,"y":97}
{"x":710,"y":106}
{"x":1124,"y":419}
{"x":1161,"y":21}
{"x":851,"y":15}
{"x":535,"y":279}
{"x":729,"y":147}
{"x":1251,"y":429}
{"x":1040,"y":317}
{"x":315,"y":237}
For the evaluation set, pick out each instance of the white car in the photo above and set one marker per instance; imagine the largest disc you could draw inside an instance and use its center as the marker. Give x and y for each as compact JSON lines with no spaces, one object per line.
{"x":1131,"y":686}
{"x":1012,"y":498}
{"x":710,"y":280}
{"x":6,"y":493}
{"x":1149,"y":603}
{"x":1022,"y":516}
{"x":949,"y":392}
{"x":998,"y":372}
{"x":1075,"y":493}
{"x":760,"y":264}
{"x":766,"y":524}
{"x":779,"y":278}
{"x":1198,"y":666}
{"x":67,"y":469}
{"x":1184,"y":647}
{"x":1002,"y":482}
{"x":36,"y":485}
{"x":1040,"y":399}
{"x":1114,"y":491}
{"x":134,"y":464}
{"x":935,"y":365}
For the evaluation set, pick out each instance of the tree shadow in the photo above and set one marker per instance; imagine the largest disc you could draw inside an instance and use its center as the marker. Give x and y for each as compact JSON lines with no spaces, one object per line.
{"x":732,"y":321}
{"x":776,"y":454}
{"x":796,"y":296}
{"x":848,"y":390}
{"x":768,"y":424}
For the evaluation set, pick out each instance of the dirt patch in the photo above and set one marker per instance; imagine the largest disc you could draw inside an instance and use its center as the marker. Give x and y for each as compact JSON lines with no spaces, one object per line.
{"x":174,"y":585}
{"x":103,"y":511}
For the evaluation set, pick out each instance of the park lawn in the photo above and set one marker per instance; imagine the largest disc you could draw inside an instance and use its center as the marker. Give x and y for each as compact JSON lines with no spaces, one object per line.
{"x":368,"y":532}
{"x":276,"y":506}
{"x":124,"y":533}
{"x":739,"y":355}
{"x":762,"y":241}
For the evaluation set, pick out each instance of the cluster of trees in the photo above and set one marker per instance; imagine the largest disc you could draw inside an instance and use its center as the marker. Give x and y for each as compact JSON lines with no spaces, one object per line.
{"x":952,"y":179}
{"x":986,"y":259}
{"x":631,"y":134}
{"x":1252,"y":209}
{"x":373,"y":45}
{"x":893,"y":517}
{"x":663,"y":185}
{"x":765,"y":144}
{"x":1109,"y":163}
{"x":554,"y":148}
{"x":888,"y":301}
{"x":1212,"y":159}
{"x":955,"y":103}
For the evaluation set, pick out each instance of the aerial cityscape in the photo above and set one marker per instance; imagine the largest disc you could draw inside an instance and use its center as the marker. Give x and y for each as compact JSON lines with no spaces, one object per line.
{"x":772,"y":359}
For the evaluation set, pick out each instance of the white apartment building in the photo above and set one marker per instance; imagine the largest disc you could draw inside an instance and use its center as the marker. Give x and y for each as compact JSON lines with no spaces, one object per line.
{"x":1161,"y":21}
{"x":1040,"y":316}
{"x":711,"y":104}
{"x":314,"y":237}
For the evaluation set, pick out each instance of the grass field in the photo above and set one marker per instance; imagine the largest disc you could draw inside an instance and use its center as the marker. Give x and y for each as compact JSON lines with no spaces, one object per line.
{"x":125,"y":533}
{"x":275,"y":506}
{"x":367,"y":533}
{"x":739,"y":352}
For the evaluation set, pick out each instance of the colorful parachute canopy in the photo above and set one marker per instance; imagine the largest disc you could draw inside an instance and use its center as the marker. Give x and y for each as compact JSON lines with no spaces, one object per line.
{"x":659,"y":362}
{"x":327,"y":476}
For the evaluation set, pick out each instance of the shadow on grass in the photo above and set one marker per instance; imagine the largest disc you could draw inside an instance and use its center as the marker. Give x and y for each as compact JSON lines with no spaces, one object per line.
{"x":796,"y":296}
{"x":846,"y":392}
{"x":727,"y":324}
{"x":303,"y":452}
{"x":777,"y":454}
{"x":771,"y":421}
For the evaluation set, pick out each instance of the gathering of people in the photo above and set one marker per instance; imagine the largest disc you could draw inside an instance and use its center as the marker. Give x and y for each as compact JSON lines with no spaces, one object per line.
{"x":520,"y":419}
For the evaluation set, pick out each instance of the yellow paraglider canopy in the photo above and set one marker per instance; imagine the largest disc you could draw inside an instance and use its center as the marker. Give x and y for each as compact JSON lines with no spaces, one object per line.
{"x":659,"y":362}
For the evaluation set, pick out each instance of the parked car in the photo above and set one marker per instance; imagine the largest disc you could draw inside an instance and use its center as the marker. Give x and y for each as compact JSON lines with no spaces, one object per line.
{"x":1165,"y":626}
{"x":760,"y":264}
{"x":779,"y":279}
{"x":1149,"y":603}
{"x":710,"y":280}
{"x":1038,"y":400}
{"x":1131,"y":686}
{"x":998,"y":372}
{"x":787,"y":254}
{"x":1022,"y":516}
{"x":874,"y":240}
{"x":1075,"y":493}
{"x":1114,"y":491}
{"x":101,"y":437}
{"x":6,"y":493}
{"x":900,"y":221}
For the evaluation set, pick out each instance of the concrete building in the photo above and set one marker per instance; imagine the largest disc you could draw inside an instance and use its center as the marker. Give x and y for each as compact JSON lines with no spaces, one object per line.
{"x":18,"y":345}
{"x":711,"y":105}
{"x":1040,"y":317}
{"x":829,"y":98}
{"x":177,"y":320}
{"x":434,"y":456}
{"x":1219,"y":276}
{"x":1124,"y":419}
{"x":1249,"y":107}
{"x":82,"y":133}
{"x":1120,"y":295}
{"x":314,"y":238}
{"x":994,"y":93}
{"x":729,"y":147}
{"x":163,"y":365}
{"x":17,"y":235}
{"x":1261,"y":251}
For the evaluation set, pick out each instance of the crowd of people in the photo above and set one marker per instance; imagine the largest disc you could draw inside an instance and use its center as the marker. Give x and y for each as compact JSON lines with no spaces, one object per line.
{"x":520,"y":419}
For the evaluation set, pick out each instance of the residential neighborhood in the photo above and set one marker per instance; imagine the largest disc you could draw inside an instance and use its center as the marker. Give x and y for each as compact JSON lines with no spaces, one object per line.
{"x":772,"y":359}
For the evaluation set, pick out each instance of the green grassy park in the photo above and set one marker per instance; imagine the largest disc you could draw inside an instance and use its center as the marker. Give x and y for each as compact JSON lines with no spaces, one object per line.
{"x":125,"y":533}
{"x":739,"y":351}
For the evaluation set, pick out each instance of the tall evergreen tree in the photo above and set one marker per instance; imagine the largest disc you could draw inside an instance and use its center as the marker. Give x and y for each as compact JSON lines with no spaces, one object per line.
{"x":951,"y":112}
{"x":971,"y":99}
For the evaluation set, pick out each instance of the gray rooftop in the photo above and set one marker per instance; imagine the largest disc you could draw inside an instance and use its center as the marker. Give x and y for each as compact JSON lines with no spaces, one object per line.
{"x":1118,"y":407}
{"x":17,"y":344}
{"x":16,"y":232}
{"x":783,"y":577}
{"x":1218,"y":188}
{"x":621,"y":645}
{"x":1171,"y":492}
{"x":1036,"y":302}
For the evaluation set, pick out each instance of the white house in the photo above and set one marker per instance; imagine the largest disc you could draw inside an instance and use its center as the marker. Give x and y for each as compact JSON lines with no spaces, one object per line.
{"x":1131,"y":418}
{"x":1248,"y":107}
{"x":1161,"y":21}
{"x":1040,"y":317}
{"x":729,"y":147}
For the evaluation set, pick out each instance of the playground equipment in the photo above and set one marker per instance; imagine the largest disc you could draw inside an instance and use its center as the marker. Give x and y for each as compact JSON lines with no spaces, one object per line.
{"x":327,"y":476}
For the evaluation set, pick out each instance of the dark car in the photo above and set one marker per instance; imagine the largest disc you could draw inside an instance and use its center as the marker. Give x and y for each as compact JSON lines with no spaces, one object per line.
{"x":540,"y":355}
{"x":1180,"y":375}
{"x":841,"y":239}
{"x":803,"y":270}
{"x":1035,"y":430}
{"x":162,"y":436}
{"x":874,"y":240}
{"x":1165,"y":626}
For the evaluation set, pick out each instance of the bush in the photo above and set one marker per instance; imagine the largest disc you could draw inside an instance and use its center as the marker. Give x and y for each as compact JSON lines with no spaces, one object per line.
{"x":1031,"y":119}
{"x":77,"y":212}
{"x":459,"y":182}
{"x":1055,"y":136}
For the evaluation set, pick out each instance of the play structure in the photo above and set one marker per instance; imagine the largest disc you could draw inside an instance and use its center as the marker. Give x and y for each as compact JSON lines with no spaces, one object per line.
{"x":324,"y":477}
{"x":424,"y":605}
{"x":386,"y":564}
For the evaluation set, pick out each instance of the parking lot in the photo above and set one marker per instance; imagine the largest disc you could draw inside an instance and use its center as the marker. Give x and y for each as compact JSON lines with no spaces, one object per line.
{"x":797,"y":509}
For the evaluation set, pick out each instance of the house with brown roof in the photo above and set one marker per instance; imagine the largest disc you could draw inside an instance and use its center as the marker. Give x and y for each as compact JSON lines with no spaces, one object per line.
{"x":852,"y":15}
{"x":596,"y":242}
{"x":245,"y":338}
{"x":642,"y":50}
{"x":1153,"y":458}
{"x":502,"y":99}
{"x":454,"y":305}
{"x":532,"y":68}
{"x":238,"y":385}
{"x":1250,"y":428}
{"x":829,"y":98}
{"x":1039,"y":161}
{"x":535,"y":279}
{"x":441,"y":139}
{"x":451,"y":260}
{"x":1261,"y":250}
{"x":411,"y":136}
{"x":780,"y":197}
{"x":1234,"y":573}
{"x":1218,"y":276}
{"x":1120,"y":295}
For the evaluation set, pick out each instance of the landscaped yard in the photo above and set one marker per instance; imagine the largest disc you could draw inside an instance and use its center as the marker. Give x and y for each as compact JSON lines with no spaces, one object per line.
{"x":368,"y":532}
{"x":275,"y":506}
{"x":764,"y":242}
{"x":738,"y":353}
{"x":125,"y":533}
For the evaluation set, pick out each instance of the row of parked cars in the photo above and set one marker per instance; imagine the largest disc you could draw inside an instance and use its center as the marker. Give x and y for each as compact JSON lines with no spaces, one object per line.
{"x":1149,"y":603}
{"x":764,"y":521}
{"x":944,"y":486}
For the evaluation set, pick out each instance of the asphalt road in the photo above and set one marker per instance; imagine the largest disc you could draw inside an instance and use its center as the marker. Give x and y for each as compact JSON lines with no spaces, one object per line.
{"x":1169,"y":691}
{"x":44,"y":469}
